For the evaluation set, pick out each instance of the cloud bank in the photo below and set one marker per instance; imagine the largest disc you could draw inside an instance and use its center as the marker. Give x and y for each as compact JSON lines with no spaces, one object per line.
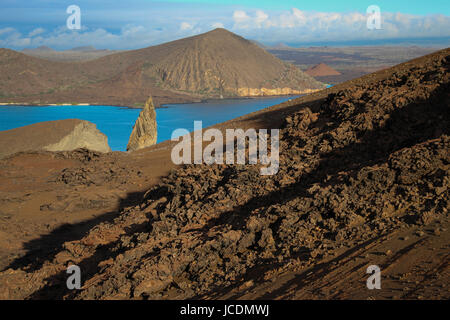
{"x":293,"y":26}
{"x":300,"y":26}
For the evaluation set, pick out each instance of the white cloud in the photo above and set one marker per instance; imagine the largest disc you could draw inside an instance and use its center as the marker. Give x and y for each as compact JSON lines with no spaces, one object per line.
{"x":218,"y":25}
{"x":36,"y":31}
{"x":260,"y":18}
{"x":295,"y":26}
{"x":186,"y":26}
{"x":6,"y":31}
{"x":244,"y":21}
{"x":240,"y":16}
{"x":302,"y":26}
{"x":131,"y":30}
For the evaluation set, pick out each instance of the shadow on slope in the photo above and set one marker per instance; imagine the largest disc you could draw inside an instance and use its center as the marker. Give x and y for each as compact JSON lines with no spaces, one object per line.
{"x":409,"y":126}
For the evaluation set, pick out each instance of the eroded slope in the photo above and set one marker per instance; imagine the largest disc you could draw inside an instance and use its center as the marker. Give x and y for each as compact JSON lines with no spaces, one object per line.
{"x":367,"y":161}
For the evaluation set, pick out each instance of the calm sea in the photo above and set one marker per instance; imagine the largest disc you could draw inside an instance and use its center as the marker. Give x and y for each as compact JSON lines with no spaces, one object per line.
{"x":117,"y":122}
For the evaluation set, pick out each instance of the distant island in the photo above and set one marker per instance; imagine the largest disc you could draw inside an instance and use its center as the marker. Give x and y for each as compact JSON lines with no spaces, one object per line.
{"x":214,"y":65}
{"x":83,"y":53}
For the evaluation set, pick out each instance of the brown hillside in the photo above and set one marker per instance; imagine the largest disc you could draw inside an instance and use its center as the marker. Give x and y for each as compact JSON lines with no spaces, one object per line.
{"x":220,"y":62}
{"x":68,"y":134}
{"x":29,"y":77}
{"x":364,"y":180}
{"x":214,"y":64}
{"x":322,"y":70}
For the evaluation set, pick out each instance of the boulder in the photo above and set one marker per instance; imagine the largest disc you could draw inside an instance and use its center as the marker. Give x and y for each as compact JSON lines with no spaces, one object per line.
{"x":60,"y":135}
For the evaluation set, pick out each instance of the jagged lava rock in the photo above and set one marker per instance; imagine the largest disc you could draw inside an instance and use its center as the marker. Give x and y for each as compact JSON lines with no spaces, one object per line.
{"x":60,"y":135}
{"x":144,"y":132}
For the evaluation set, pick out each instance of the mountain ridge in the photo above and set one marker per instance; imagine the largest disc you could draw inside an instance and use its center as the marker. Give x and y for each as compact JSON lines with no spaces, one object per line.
{"x":215,"y":64}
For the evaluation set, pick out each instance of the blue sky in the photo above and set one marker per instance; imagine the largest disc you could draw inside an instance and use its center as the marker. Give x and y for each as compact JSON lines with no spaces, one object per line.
{"x":404,"y":6}
{"x":133,"y":24}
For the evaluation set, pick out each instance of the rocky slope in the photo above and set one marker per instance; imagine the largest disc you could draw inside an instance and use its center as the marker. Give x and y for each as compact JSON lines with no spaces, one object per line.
{"x":62,"y":135}
{"x":144,"y":132}
{"x":364,"y":177}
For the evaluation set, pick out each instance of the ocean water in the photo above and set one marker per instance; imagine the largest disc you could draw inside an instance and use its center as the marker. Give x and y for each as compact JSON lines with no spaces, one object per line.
{"x":117,"y":122}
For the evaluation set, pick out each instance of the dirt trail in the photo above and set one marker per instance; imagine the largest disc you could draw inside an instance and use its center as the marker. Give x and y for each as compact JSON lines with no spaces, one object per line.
{"x":364,"y":177}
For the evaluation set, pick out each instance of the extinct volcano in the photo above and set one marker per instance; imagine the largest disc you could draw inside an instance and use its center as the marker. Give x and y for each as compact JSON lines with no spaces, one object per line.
{"x":211,"y":65}
{"x":222,"y":63}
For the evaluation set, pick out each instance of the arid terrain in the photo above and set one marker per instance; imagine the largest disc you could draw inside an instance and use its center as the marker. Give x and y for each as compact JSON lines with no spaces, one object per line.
{"x":351,"y":62}
{"x":363,"y":180}
{"x":212,"y":65}
{"x":216,"y":64}
{"x":322,"y":70}
{"x":62,"y":135}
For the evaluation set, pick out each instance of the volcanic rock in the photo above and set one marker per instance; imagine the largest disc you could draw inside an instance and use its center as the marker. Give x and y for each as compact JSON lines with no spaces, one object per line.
{"x":351,"y":169}
{"x":144,"y":132}
{"x":365,"y":160}
{"x":61,"y":135}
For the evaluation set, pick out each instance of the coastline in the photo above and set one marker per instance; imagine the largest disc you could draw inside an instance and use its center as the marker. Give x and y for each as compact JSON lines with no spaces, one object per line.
{"x":213,"y":100}
{"x":18,"y":104}
{"x":161,"y":106}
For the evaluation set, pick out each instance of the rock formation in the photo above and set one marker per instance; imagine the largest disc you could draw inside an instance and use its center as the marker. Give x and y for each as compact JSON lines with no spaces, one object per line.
{"x":144,"y":132}
{"x":259,"y":92}
{"x":61,"y":135}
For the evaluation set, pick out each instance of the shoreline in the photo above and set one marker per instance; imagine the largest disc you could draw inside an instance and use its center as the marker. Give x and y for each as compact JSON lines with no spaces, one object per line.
{"x":213,"y":100}
{"x":162,"y":106}
{"x":18,"y":104}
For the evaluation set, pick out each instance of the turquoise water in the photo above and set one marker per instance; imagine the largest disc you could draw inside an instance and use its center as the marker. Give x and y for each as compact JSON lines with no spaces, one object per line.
{"x":117,"y":122}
